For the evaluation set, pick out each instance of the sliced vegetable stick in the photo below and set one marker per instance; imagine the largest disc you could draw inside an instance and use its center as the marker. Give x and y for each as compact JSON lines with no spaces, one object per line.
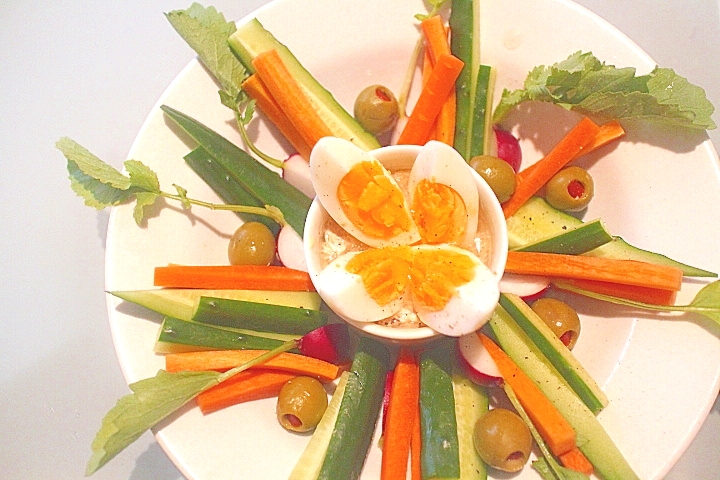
{"x":259,"y":92}
{"x":290,"y":96}
{"x":416,"y":447}
{"x":435,"y":35}
{"x":568,"y":148}
{"x":233,"y":277}
{"x":436,"y":39}
{"x":576,"y":460}
{"x":653,"y":296}
{"x":625,"y":272}
{"x":222,"y":360}
{"x":553,"y":427}
{"x":433,"y":95}
{"x":426,"y":71}
{"x":608,"y":132}
{"x":404,"y":401}
{"x":246,"y":386}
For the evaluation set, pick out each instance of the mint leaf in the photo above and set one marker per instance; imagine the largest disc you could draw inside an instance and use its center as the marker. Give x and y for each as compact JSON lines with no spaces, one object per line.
{"x":707,"y":301}
{"x":152,"y":400}
{"x":207,"y":32}
{"x":142,"y":177}
{"x":143,"y":199}
{"x":584,"y":84}
{"x":98,"y":183}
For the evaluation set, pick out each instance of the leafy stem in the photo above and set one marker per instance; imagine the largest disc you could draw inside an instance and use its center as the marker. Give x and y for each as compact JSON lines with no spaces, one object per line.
{"x":266,"y":211}
{"x":243,"y":115}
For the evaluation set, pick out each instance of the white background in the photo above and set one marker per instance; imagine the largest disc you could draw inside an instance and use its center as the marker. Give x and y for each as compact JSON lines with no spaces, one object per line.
{"x":92,"y":71}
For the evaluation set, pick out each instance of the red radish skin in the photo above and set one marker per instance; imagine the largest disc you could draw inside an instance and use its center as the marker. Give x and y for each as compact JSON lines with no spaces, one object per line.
{"x":508,"y":148}
{"x":477,"y":362}
{"x":386,"y":396}
{"x":290,"y":249}
{"x":524,"y":286}
{"x":296,"y":171}
{"x":330,"y":342}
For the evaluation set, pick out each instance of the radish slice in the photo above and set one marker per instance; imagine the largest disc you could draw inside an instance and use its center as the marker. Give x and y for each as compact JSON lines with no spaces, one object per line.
{"x":508,"y":148}
{"x":296,"y":171}
{"x":290,"y":249}
{"x":525,"y":286}
{"x":478,"y":364}
{"x":329,"y":342}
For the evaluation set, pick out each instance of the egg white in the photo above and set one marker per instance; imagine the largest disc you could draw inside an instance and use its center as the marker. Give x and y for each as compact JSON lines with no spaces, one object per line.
{"x":440,"y":163}
{"x":330,"y":160}
{"x":345,"y":293}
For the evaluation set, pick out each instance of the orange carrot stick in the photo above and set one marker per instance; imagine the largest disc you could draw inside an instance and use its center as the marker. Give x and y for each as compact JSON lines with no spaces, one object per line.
{"x":290,"y":96}
{"x":568,"y":148}
{"x":436,"y":39}
{"x":404,"y":401}
{"x":246,"y":386}
{"x":608,"y":132}
{"x":433,"y":95}
{"x":552,"y":426}
{"x":416,"y":447}
{"x":653,"y":296}
{"x":576,"y":460}
{"x":233,"y":277}
{"x":267,"y":104}
{"x":426,"y":71}
{"x":624,"y":272}
{"x":223,"y":360}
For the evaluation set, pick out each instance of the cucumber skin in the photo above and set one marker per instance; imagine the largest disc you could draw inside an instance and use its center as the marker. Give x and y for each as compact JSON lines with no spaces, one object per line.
{"x":581,"y":239}
{"x":181,"y":332}
{"x":440,"y":446}
{"x":561,"y":358}
{"x":359,"y":412}
{"x":537,"y":220}
{"x":471,"y":402}
{"x":252,"y":38}
{"x":592,"y":439}
{"x":261,"y":317}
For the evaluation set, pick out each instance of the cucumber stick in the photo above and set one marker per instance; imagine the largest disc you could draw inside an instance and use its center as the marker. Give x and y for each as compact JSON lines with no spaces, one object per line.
{"x":581,"y":239}
{"x":261,"y":182}
{"x":309,"y":464}
{"x":556,"y":352}
{"x":593,"y":440}
{"x":261,"y":317}
{"x":471,"y":403}
{"x":181,"y":302}
{"x":438,"y":423}
{"x":475,"y":84}
{"x":179,"y":335}
{"x":537,"y":220}
{"x":251,"y":39}
{"x":358,"y":415}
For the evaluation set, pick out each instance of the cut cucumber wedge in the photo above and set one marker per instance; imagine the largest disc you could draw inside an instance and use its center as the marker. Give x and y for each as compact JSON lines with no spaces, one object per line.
{"x":536,"y":220}
{"x":581,"y":239}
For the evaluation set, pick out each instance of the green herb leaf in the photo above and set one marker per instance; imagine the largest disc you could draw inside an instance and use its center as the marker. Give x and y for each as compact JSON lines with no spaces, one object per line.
{"x":182,"y":193}
{"x":207,"y":32}
{"x":142,"y":177}
{"x":584,"y":84}
{"x":707,"y":301}
{"x":152,"y":400}
{"x":143,"y":199}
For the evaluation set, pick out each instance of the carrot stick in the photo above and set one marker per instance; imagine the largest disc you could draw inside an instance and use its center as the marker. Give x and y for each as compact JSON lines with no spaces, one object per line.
{"x":223,"y":360}
{"x":654,"y":296}
{"x":233,"y":277}
{"x":624,"y":272}
{"x":608,"y":132}
{"x":433,"y":95}
{"x":568,"y":148}
{"x":553,"y":427}
{"x":576,"y":460}
{"x":246,"y":386}
{"x":259,"y":92}
{"x":436,"y":39}
{"x":416,"y":447}
{"x":290,"y":96}
{"x":426,"y":71}
{"x":404,"y":401}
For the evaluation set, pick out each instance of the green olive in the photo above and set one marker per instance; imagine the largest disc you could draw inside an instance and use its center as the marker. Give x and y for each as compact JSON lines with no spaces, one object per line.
{"x":562,"y":319}
{"x":570,"y":190}
{"x":252,"y":244}
{"x":503,"y":440}
{"x":376,"y":108}
{"x":301,"y":404}
{"x":497,"y":173}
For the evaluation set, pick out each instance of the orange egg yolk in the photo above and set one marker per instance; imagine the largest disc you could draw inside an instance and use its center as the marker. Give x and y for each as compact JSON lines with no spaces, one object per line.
{"x":373,"y":202}
{"x":439,"y":212}
{"x":433,"y":274}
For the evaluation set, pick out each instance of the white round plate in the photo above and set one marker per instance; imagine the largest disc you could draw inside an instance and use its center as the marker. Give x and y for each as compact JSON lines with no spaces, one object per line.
{"x":658,"y":189}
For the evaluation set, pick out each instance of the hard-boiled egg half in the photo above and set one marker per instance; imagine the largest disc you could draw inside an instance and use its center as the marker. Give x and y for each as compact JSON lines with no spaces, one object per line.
{"x":414,"y":238}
